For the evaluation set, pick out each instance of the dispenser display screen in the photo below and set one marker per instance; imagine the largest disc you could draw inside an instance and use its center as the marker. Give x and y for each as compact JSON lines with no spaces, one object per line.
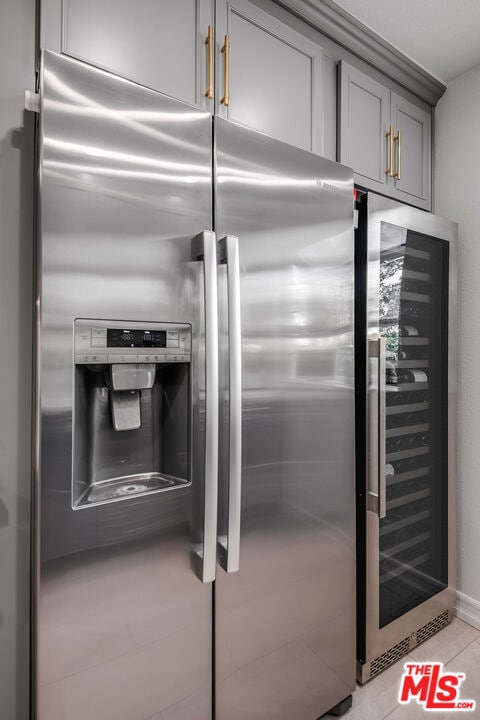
{"x":136,"y":338}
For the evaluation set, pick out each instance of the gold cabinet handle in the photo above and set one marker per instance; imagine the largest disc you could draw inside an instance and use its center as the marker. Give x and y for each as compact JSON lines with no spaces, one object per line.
{"x":209,"y":43}
{"x":398,"y":140}
{"x":226,"y":78}
{"x":389,"y":136}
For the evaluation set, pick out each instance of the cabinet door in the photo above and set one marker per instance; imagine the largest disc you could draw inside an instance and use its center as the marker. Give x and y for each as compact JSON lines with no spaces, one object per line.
{"x":364,"y":111}
{"x":414,"y":152}
{"x":275,"y":76}
{"x":156,"y":43}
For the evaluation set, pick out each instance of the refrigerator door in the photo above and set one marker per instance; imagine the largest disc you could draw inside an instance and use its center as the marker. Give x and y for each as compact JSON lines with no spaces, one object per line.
{"x":410,"y":313}
{"x":123,"y":624}
{"x":284,"y":622}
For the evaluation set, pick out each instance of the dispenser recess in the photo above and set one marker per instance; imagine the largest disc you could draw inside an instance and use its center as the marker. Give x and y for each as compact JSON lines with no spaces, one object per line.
{"x":132,"y":410}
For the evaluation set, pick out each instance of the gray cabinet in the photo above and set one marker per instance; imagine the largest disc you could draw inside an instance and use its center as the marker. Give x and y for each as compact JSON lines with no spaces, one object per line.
{"x":274,"y":75}
{"x":385,"y":138}
{"x":157,"y":43}
{"x":412,"y":152}
{"x":364,"y":117}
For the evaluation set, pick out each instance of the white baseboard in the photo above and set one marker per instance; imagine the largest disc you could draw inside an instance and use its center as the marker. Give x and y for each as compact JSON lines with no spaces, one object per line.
{"x":467,"y":609}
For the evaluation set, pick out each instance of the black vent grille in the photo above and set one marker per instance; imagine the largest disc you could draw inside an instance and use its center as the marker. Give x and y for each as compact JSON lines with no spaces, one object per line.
{"x":389,"y":657}
{"x":432,"y":627}
{"x":383,"y":661}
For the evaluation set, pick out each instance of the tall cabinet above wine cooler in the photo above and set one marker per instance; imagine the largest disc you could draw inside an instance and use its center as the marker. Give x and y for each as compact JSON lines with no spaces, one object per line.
{"x":405,"y":416}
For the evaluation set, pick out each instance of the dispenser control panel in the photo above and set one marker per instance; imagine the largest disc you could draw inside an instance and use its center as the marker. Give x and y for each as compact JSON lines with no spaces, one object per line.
{"x":98,"y":342}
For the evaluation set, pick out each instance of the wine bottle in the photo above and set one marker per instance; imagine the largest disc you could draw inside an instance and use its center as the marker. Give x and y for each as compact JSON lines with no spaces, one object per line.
{"x":412,"y":354}
{"x":390,"y":373}
{"x":408,"y":331}
{"x":416,"y":440}
{"x":411,"y":376}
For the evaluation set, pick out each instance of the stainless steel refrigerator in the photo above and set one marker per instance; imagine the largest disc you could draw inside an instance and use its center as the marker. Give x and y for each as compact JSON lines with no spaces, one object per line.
{"x":406,"y":428}
{"x":195,"y":431}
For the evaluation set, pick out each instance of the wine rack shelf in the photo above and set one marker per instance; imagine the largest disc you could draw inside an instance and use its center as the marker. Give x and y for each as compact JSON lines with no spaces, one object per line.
{"x":405,"y":454}
{"x":408,"y":408}
{"x":407,"y":430}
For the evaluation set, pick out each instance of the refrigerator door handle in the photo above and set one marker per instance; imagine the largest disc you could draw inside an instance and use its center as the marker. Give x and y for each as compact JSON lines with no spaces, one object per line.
{"x":207,"y":252}
{"x":229,"y":546}
{"x":376,"y":499}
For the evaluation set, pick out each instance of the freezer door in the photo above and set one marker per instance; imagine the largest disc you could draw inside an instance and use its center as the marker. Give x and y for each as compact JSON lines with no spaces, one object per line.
{"x":123,"y":624}
{"x":285,"y":619}
{"x":410,"y":311}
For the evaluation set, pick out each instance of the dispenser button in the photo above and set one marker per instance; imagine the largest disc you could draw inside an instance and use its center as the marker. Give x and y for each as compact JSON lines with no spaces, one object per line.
{"x":90,"y":359}
{"x":123,"y":358}
{"x":172,"y":338}
{"x":176,"y":358}
{"x":151,"y":358}
{"x":99,"y":337}
{"x":97,"y":358}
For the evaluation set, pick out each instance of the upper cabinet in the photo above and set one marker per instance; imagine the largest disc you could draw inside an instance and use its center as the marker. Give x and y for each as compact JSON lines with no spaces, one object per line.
{"x":248,"y":66}
{"x":412,"y":152}
{"x":385,"y":138}
{"x":269,"y":77}
{"x":156,"y":43}
{"x":364,"y":117}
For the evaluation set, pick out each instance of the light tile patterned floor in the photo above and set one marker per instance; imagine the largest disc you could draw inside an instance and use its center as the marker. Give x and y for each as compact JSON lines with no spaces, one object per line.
{"x":457,"y":646}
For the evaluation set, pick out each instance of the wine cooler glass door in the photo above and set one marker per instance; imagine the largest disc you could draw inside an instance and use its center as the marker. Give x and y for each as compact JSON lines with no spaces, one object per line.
{"x":413,"y":314}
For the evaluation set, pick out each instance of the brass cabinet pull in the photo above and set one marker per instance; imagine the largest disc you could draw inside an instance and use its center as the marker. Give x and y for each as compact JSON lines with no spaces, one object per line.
{"x":209,"y":42}
{"x":389,"y":135}
{"x":398,"y":140}
{"x":226,"y":78}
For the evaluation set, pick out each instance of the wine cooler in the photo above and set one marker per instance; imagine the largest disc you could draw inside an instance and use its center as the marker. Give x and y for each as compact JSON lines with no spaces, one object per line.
{"x":405,"y":418}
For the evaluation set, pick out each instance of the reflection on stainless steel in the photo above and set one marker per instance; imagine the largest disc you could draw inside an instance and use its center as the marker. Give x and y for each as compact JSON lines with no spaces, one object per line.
{"x":125,"y":187}
{"x":415,"y":545}
{"x":124,"y":626}
{"x":229,"y":545}
{"x":128,"y":486}
{"x":132,"y":405}
{"x":285,"y":620}
{"x":207,"y":252}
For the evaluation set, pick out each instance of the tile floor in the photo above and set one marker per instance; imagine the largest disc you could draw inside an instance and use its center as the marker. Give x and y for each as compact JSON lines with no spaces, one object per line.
{"x":457,"y":646}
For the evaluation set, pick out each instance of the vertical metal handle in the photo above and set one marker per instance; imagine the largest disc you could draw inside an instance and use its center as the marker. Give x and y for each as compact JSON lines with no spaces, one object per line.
{"x":209,"y":43}
{"x":230,"y":546}
{"x":376,"y":495}
{"x":382,"y":428}
{"x":226,"y":76}
{"x":207,"y":251}
{"x":389,"y":136}
{"x":398,"y":140}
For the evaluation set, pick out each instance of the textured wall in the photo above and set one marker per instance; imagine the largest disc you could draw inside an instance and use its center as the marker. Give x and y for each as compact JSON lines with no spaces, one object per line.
{"x":457,"y":197}
{"x":17,"y":43}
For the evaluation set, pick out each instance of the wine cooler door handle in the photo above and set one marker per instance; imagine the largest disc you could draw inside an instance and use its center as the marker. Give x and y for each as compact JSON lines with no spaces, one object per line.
{"x":376,"y":491}
{"x":229,"y":547}
{"x":207,"y":251}
{"x":382,"y":428}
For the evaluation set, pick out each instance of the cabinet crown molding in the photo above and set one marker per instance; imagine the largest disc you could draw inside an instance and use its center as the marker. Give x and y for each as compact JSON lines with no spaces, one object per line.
{"x":331,"y":20}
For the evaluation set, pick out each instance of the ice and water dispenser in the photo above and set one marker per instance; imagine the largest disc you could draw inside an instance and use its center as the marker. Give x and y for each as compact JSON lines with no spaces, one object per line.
{"x":132,"y":409}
